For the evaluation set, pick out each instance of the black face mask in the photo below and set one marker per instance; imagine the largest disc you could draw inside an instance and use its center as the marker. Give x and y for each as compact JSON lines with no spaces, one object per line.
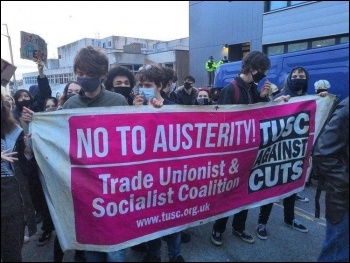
{"x":298,"y":84}
{"x":125,"y":91}
{"x":187,"y":85}
{"x":258,"y":76}
{"x":321,"y":90}
{"x":23,"y":103}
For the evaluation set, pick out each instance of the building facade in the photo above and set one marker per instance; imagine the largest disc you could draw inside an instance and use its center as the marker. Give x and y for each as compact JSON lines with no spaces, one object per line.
{"x":234,"y":28}
{"x":125,"y":51}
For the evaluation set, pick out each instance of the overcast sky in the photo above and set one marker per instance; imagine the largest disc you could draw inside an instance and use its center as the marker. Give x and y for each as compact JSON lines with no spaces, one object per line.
{"x":60,"y":23}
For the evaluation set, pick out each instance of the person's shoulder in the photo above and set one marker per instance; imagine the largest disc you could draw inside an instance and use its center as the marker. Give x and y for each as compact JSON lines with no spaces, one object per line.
{"x":115,"y":98}
{"x":72,"y":102}
{"x":179,"y":90}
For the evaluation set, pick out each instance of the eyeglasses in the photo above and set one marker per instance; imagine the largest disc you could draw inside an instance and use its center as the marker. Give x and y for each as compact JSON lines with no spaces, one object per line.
{"x":147,"y":67}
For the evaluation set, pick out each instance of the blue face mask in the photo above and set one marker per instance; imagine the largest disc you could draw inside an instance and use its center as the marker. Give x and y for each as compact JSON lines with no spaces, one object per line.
{"x":203,"y":101}
{"x":89,"y":84}
{"x":148,"y":93}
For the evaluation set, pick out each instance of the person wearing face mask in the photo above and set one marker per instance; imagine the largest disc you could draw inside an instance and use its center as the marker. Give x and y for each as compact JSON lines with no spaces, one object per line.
{"x":24,"y":101}
{"x":151,"y":78}
{"x":121,"y":80}
{"x":295,"y":85}
{"x":16,"y":206}
{"x":169,"y":84}
{"x":203,"y":98}
{"x":243,"y":91}
{"x":187,"y":94}
{"x":23,"y":98}
{"x":71,"y":89}
{"x":322,"y":86}
{"x":91,"y":66}
{"x":51,"y":104}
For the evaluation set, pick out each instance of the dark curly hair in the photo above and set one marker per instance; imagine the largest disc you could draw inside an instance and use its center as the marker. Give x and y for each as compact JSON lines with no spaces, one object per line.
{"x":169,"y":75}
{"x":119,"y":71}
{"x":153,"y":73}
{"x":255,"y":60}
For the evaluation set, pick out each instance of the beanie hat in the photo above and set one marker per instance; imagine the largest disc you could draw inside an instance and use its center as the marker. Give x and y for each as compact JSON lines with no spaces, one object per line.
{"x":322,"y":84}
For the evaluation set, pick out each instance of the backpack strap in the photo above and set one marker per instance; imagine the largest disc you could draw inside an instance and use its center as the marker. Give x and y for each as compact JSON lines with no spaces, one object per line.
{"x":236,"y":91}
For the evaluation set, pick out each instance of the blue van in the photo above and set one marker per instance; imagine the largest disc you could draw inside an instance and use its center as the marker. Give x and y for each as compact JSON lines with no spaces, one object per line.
{"x":330,"y":63}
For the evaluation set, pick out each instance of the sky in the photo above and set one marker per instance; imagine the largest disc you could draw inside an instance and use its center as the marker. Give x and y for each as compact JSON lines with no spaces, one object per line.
{"x":60,"y":23}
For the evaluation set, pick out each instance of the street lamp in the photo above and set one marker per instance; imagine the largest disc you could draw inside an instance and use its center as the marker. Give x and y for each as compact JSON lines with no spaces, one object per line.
{"x":10,"y":45}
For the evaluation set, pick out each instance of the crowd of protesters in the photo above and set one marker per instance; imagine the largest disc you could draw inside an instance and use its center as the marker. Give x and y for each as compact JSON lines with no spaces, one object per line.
{"x":23,"y":201}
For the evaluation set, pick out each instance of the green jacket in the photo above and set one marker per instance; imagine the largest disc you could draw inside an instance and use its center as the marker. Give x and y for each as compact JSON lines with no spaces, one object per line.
{"x":210,"y":65}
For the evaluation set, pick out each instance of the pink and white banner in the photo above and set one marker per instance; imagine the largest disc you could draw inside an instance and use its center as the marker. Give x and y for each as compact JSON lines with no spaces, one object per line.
{"x":118,"y":176}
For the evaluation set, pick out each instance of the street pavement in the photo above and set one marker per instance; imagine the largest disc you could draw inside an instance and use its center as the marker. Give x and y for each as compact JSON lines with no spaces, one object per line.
{"x":282,"y":245}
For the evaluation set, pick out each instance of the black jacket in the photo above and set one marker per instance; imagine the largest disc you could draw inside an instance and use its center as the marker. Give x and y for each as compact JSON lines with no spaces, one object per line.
{"x":331,"y":162}
{"x":248,"y":93}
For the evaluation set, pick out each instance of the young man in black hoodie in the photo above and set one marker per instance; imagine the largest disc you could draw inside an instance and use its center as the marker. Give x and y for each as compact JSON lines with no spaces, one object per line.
{"x":243,"y":90}
{"x":295,"y":85}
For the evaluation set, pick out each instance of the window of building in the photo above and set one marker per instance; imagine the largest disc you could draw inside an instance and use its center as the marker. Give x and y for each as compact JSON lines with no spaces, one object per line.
{"x":66,"y":78}
{"x":297,"y":46}
{"x":323,"y":42}
{"x":273,"y":5}
{"x":110,"y":43}
{"x":169,"y":65}
{"x":57,"y":79}
{"x":296,"y":2}
{"x":137,"y":67}
{"x":344,"y":39}
{"x":127,"y":66}
{"x":49,"y":78}
{"x":274,"y":50}
{"x":103,"y":45}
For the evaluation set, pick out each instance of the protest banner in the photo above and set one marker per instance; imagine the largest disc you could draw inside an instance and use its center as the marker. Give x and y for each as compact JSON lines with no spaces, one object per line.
{"x":33,"y":47}
{"x":118,"y":176}
{"x":7,"y":71}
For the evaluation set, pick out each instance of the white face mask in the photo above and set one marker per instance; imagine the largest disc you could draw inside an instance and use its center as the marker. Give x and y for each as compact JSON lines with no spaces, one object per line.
{"x":148,"y":93}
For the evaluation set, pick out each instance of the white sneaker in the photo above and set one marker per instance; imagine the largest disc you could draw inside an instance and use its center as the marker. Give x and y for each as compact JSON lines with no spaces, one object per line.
{"x":301,"y":198}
